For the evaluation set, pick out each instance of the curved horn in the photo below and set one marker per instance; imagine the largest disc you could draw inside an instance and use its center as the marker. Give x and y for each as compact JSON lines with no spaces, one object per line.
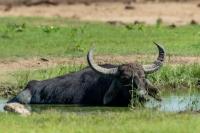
{"x":158,"y":63}
{"x":97,"y":68}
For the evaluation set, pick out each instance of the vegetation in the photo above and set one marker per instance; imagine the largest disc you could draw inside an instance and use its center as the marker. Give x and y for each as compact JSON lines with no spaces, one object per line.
{"x":28,"y":37}
{"x":169,"y":78}
{"x":139,"y":120}
{"x":58,"y":37}
{"x":177,"y":77}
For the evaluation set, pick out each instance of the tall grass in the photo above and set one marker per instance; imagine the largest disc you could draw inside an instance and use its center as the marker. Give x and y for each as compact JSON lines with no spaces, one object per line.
{"x":20,"y":78}
{"x":169,"y":78}
{"x":177,"y":77}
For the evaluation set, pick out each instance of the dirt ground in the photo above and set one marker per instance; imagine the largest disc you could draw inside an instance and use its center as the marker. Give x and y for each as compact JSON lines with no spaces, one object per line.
{"x":170,"y":12}
{"x":10,"y":66}
{"x":36,"y":63}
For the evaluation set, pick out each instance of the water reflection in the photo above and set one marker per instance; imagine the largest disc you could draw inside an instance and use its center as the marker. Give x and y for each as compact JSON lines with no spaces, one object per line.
{"x":169,"y":104}
{"x":176,"y":103}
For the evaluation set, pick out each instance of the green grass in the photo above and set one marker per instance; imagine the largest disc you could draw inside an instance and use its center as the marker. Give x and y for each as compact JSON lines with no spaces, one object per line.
{"x":175,"y":77}
{"x":27,"y":37}
{"x":170,"y":79}
{"x":138,"y":121}
{"x":179,"y":77}
{"x":107,"y":121}
{"x":17,"y":80}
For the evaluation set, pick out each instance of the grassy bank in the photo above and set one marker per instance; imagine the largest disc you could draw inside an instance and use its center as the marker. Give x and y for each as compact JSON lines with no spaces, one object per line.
{"x":57,"y":37}
{"x":108,"y":122}
{"x":168,"y":79}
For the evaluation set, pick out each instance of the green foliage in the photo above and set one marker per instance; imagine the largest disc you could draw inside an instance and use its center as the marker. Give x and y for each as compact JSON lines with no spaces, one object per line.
{"x":22,"y":77}
{"x":16,"y":27}
{"x":116,"y":121}
{"x":177,"y":77}
{"x":174,"y":77}
{"x":76,"y":36}
{"x":29,"y":37}
{"x":49,"y":29}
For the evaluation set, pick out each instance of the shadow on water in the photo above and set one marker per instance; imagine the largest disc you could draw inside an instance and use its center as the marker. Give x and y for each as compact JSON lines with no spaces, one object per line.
{"x":169,"y":104}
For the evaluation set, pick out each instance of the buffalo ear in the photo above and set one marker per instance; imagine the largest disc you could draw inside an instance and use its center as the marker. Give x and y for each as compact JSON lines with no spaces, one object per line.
{"x":112,"y":92}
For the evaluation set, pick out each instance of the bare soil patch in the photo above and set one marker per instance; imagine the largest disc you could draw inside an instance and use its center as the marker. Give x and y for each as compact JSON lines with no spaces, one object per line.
{"x":37,"y":63}
{"x":10,"y":66}
{"x":168,"y":12}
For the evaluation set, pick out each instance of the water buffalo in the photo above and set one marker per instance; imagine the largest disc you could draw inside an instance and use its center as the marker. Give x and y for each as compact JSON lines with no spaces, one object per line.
{"x":96,"y":85}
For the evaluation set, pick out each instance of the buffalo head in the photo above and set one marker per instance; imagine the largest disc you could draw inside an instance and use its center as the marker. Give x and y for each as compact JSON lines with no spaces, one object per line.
{"x":131,"y":76}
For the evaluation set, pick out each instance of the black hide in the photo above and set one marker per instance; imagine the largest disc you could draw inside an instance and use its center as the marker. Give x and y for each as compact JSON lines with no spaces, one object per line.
{"x":85,"y":87}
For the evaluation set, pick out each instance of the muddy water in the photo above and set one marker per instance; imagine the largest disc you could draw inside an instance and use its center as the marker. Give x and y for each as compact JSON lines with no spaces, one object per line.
{"x":176,"y":104}
{"x":169,"y":104}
